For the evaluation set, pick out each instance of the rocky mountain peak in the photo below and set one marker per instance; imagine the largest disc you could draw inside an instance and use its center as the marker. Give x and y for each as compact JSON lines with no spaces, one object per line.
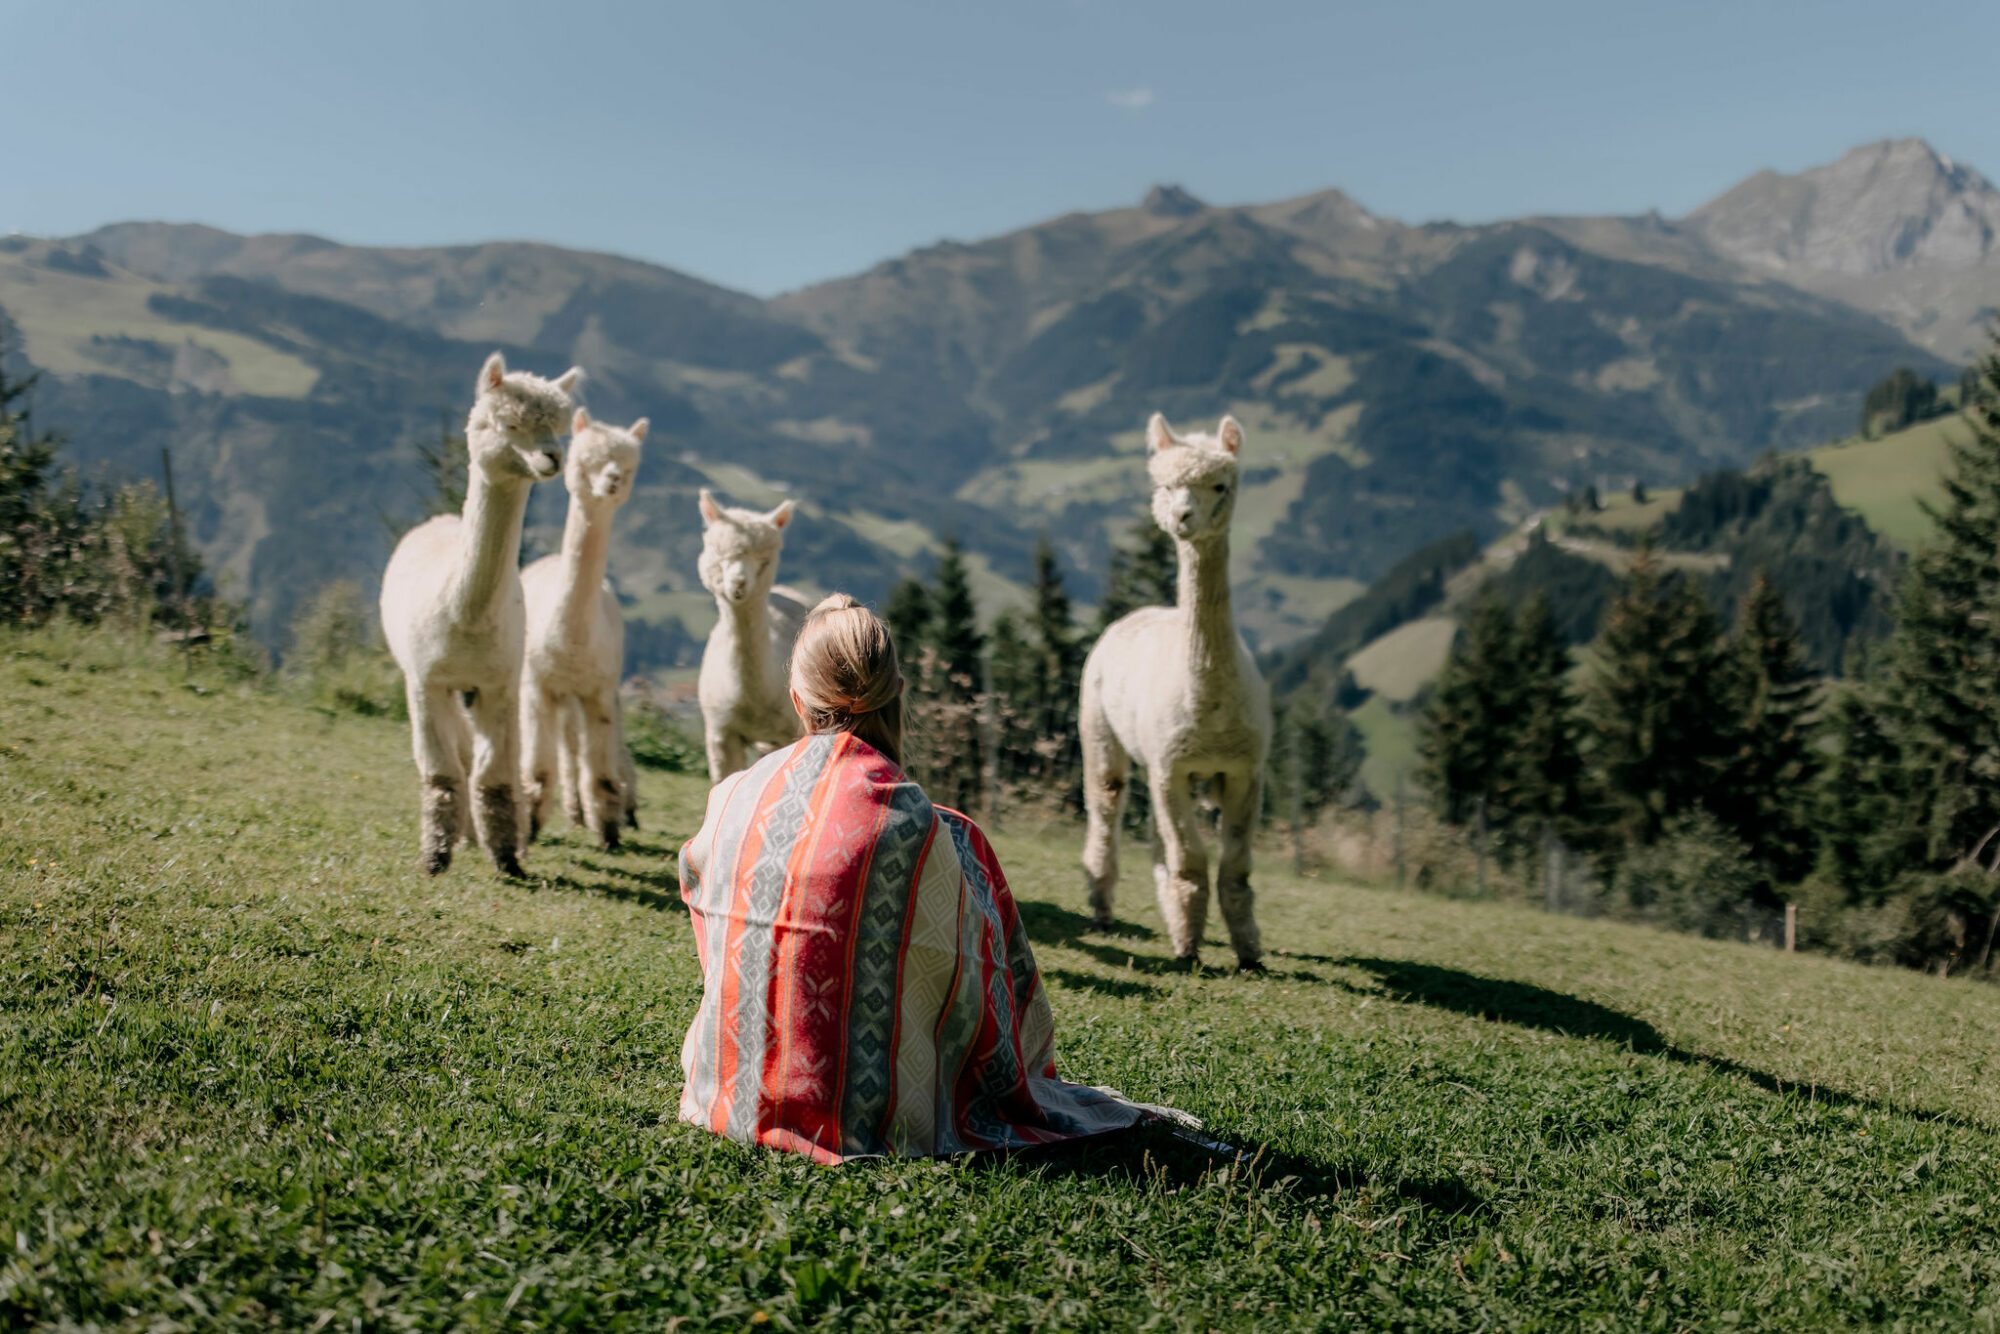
{"x":1892,"y":205}
{"x":1171,"y":201}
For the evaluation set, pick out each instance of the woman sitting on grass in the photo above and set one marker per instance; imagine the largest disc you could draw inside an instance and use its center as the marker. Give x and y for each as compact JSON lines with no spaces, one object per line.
{"x":868,"y":985}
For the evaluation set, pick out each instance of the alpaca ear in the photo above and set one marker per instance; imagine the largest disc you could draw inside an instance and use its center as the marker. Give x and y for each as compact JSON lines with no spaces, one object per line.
{"x":1159,"y":435}
{"x":491,"y":374}
{"x":782,"y":515}
{"x":580,"y":422}
{"x":639,"y":429}
{"x":710,"y":511}
{"x":1229,"y":434}
{"x":568,"y":380}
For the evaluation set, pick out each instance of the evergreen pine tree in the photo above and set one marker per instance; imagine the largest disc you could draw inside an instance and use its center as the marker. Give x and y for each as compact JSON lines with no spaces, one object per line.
{"x":1862,"y":802}
{"x":1767,"y":793}
{"x":443,"y":461}
{"x":1657,"y":706}
{"x":1545,"y":783}
{"x":1941,"y":679}
{"x":1059,"y":676}
{"x":1016,"y":678}
{"x":908,"y":615}
{"x":960,"y":647}
{"x":27,"y":459}
{"x":1464,"y":743}
{"x":1145,"y":572}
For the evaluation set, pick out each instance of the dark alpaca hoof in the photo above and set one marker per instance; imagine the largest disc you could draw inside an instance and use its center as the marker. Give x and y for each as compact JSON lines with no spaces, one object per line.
{"x":1251,"y":966}
{"x":631,"y":819}
{"x":1191,"y":962}
{"x":1101,"y":921}
{"x":435,"y":863}
{"x":607,"y":837}
{"x":508,"y":865}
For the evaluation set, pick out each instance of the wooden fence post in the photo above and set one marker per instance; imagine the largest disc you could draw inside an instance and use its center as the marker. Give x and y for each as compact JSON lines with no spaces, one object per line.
{"x":1791,"y":928}
{"x":1551,"y":868}
{"x":174,"y":559}
{"x":1399,"y":832}
{"x":1479,"y":837}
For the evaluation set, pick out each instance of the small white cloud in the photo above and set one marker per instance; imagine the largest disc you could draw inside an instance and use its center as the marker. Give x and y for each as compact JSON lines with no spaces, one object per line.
{"x":1130,"y":99}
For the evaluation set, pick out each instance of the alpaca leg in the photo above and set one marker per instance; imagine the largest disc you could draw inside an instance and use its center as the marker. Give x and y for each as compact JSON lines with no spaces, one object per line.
{"x":1242,"y":798}
{"x":453,"y":726}
{"x":727,"y":753}
{"x":1180,"y":862}
{"x":569,"y":724}
{"x":1106,"y":771}
{"x":440,"y":770}
{"x":604,"y":799}
{"x":538,"y":743}
{"x":496,"y":769}
{"x":628,"y":773}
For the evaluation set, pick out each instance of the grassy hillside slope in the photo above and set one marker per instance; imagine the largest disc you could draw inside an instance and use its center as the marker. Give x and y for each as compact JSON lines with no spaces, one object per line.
{"x":256,"y":1071}
{"x":1887,"y":480}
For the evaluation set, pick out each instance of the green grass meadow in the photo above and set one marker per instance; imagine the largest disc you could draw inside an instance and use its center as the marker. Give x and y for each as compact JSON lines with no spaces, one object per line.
{"x":1888,"y":480}
{"x":256,"y":1072}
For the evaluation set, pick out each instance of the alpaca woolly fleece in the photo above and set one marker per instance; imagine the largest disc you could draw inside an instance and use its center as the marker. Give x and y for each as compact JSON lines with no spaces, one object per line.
{"x":1189,"y":465}
{"x":1176,"y":690}
{"x":572,"y":723}
{"x":737,"y":536}
{"x":454,"y":619}
{"x":520,"y":403}
{"x":745,"y":664}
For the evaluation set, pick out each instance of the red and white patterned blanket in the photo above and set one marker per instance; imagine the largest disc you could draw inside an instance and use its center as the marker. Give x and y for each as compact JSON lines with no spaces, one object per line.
{"x":869,"y":987}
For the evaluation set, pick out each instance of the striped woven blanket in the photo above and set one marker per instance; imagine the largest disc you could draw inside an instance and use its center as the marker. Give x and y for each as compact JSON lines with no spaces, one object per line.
{"x":868,"y":986}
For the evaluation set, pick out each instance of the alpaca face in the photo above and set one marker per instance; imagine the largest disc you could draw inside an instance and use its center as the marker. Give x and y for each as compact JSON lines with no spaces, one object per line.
{"x":739,"y":550}
{"x":515,"y":419}
{"x":603,"y":460}
{"x":1194,"y":478}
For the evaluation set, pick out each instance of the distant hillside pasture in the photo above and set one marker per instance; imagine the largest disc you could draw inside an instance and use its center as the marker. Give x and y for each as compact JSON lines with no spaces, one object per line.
{"x":78,"y":316}
{"x":258,"y":1071}
{"x":1398,"y":664}
{"x":1886,"y":481}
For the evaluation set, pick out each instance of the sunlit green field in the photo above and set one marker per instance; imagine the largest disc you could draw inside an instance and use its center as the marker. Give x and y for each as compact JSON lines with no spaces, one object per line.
{"x":1886,"y":481}
{"x":59,"y":313}
{"x":257,"y":1072}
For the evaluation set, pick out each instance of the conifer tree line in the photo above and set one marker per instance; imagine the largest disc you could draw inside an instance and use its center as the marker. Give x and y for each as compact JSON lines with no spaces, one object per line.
{"x":992,"y":715}
{"x":82,"y":550}
{"x":1682,"y":742}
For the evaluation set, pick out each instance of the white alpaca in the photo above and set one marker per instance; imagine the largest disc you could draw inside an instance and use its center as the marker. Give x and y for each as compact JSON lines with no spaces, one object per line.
{"x":451,"y":611}
{"x":745,"y":701}
{"x":570,"y":716}
{"x":1176,"y":689}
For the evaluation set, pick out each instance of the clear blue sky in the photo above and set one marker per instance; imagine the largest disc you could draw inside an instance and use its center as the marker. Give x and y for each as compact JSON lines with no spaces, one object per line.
{"x":766,"y":146}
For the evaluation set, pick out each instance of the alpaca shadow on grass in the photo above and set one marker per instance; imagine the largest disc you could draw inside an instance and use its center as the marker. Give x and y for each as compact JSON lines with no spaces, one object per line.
{"x":632,"y":846}
{"x":659,"y":877}
{"x":642,"y":894}
{"x":1163,"y":1153}
{"x":1053,"y":924}
{"x":1122,"y":988}
{"x":1501,"y":1000}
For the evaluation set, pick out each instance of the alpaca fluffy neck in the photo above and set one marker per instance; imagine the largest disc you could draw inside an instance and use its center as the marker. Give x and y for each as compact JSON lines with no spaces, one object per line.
{"x":586,"y":550}
{"x":746,"y":627}
{"x":1203,"y":602}
{"x":491,"y":537}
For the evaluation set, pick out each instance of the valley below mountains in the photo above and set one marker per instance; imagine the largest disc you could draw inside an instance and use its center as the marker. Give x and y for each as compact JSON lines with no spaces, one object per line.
{"x":1399,"y":383}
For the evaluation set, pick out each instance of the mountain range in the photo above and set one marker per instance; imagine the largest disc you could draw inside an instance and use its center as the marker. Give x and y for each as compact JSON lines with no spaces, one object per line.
{"x":1398,"y":382}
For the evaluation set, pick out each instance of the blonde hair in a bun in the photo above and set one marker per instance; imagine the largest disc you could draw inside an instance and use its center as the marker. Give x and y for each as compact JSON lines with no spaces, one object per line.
{"x":846,"y":677}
